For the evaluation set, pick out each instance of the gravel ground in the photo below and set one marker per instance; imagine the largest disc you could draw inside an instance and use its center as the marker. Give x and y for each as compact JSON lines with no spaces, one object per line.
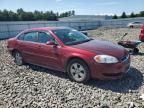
{"x":30,"y":86}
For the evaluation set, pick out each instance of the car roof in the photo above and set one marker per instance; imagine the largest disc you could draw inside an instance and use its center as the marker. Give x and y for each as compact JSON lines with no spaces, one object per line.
{"x":46,"y":28}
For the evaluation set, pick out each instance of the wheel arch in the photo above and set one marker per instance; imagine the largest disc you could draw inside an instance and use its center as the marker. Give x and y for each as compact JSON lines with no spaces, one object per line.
{"x":75,"y":57}
{"x":13,"y":51}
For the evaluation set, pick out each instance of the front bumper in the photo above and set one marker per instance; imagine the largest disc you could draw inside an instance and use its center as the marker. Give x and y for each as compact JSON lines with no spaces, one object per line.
{"x":110,"y":71}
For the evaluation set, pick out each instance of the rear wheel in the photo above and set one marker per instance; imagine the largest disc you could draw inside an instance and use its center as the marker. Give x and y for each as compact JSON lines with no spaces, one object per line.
{"x":78,"y":71}
{"x":18,"y":58}
{"x":131,"y":26}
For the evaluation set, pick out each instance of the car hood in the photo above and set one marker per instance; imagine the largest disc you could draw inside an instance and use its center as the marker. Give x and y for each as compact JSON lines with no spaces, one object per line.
{"x":102,"y":47}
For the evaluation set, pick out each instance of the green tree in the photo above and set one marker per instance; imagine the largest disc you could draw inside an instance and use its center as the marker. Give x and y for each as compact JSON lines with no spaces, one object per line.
{"x":142,"y":14}
{"x":13,"y":16}
{"x":67,"y":14}
{"x":132,"y":15}
{"x":28,"y":16}
{"x":73,"y":12}
{"x":6,"y":15}
{"x":1,"y":16}
{"x":22,"y":15}
{"x":123,"y":15}
{"x":115,"y":17}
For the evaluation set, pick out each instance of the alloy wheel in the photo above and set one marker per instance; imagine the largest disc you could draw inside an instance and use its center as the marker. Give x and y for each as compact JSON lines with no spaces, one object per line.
{"x":18,"y":58}
{"x":78,"y":72}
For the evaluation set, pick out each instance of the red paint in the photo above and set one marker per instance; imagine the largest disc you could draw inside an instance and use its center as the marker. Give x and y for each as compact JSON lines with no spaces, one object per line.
{"x":57,"y":57}
{"x":141,"y":37}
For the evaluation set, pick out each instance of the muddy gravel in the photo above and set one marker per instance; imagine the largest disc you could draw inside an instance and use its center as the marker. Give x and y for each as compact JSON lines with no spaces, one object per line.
{"x":31,"y":86}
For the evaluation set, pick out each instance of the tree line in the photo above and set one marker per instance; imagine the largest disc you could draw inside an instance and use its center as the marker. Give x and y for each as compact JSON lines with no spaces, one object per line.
{"x":21,"y":15}
{"x":132,"y":15}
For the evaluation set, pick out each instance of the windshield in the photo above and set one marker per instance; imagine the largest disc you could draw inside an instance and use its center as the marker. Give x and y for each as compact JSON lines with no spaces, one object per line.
{"x":71,"y":36}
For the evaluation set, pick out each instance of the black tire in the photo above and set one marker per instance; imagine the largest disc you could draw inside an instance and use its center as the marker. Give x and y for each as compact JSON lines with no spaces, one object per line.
{"x":82,"y":71}
{"x":18,"y":59}
{"x":131,"y":26}
{"x":135,"y":50}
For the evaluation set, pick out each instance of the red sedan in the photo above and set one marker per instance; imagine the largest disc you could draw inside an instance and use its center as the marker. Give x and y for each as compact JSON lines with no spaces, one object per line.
{"x":65,"y":49}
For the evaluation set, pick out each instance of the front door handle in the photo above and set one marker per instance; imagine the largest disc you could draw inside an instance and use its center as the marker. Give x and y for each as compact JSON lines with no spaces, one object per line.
{"x":39,"y":46}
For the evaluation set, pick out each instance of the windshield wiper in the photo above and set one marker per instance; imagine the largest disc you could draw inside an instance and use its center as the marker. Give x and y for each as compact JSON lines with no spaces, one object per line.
{"x":80,"y":42}
{"x":87,"y":40}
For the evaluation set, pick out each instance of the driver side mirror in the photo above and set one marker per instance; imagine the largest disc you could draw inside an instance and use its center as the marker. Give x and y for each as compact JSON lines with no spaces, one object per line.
{"x":51,"y":43}
{"x":85,"y":32}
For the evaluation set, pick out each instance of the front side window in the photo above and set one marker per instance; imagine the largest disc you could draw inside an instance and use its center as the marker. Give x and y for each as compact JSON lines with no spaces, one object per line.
{"x":32,"y":36}
{"x":44,"y":37}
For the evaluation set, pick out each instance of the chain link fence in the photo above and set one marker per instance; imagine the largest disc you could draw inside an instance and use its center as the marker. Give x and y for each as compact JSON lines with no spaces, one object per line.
{"x":11,"y":29}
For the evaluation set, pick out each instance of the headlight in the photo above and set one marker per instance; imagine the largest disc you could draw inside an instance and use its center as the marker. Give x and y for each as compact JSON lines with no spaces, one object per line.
{"x":105,"y":59}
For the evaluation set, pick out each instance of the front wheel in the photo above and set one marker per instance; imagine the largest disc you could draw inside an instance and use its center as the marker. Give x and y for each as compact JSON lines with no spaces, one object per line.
{"x":78,"y":71}
{"x":18,"y":58}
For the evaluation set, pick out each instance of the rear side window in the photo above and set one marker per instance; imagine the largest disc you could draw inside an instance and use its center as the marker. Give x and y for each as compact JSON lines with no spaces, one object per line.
{"x":44,"y":37}
{"x":31,"y":36}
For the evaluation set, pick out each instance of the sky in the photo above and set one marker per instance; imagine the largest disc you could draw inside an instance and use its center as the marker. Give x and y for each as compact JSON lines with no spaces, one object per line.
{"x":81,"y":7}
